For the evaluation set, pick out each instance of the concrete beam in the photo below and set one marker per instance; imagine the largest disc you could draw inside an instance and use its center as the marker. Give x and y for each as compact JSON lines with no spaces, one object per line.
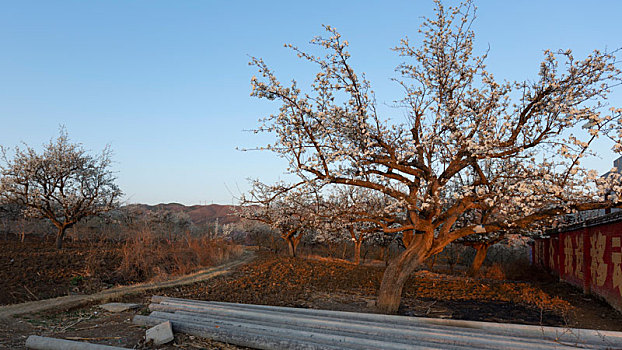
{"x":353,"y":328}
{"x":557,"y":334}
{"x":45,"y":343}
{"x":237,"y":337}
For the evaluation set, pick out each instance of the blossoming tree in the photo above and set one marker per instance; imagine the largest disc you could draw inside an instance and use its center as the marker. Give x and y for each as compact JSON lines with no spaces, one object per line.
{"x":357,"y":213}
{"x":459,"y":120}
{"x":290,"y":210}
{"x":63,"y":184}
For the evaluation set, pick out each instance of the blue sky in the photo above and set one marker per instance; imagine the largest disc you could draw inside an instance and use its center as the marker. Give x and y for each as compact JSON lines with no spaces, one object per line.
{"x":167,"y":84}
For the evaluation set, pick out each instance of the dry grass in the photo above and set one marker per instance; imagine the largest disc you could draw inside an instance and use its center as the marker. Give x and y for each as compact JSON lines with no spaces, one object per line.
{"x":327,"y":259}
{"x":146,"y":257}
{"x":494,"y":272}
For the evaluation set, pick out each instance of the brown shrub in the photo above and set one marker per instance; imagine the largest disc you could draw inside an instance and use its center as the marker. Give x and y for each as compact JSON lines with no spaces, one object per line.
{"x":100,"y":260}
{"x":145,"y":257}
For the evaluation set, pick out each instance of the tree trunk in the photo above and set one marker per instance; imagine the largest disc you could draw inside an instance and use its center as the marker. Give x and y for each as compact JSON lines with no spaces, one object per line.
{"x":395,"y":275}
{"x":273,"y":245}
{"x":432,"y":261}
{"x":357,"y":252}
{"x":293,"y":245}
{"x":59,"y":237}
{"x":482,"y":250}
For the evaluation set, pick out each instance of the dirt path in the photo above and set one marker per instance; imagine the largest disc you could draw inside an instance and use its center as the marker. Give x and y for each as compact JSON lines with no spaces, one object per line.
{"x":73,"y":301}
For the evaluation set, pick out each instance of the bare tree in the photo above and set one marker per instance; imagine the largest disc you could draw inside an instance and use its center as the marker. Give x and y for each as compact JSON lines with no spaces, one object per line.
{"x":459,"y":120}
{"x":62,"y":184}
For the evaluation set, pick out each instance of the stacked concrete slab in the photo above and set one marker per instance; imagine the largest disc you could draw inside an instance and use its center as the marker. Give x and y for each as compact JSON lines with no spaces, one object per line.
{"x":270,"y":327}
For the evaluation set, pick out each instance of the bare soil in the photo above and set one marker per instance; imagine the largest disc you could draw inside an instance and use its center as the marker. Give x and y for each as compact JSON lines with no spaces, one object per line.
{"x":327,"y":284}
{"x":35,"y":270}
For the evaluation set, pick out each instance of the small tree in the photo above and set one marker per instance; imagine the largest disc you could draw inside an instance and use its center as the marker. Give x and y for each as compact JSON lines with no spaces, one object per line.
{"x":253,"y":232}
{"x":358,"y":213}
{"x":291,"y":211}
{"x":62,"y":184}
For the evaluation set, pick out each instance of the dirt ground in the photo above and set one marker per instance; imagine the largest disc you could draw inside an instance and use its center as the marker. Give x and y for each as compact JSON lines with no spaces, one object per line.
{"x":324,"y":284}
{"x":36,"y":270}
{"x":92,"y":325}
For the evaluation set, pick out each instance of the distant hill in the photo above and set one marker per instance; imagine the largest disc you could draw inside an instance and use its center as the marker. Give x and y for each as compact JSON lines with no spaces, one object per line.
{"x":199,"y":214}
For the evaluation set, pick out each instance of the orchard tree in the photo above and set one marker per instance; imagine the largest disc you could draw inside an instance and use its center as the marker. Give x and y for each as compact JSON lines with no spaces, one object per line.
{"x":290,"y":210}
{"x":329,"y":213}
{"x":357,"y":213}
{"x":63,"y":184}
{"x":254,"y":232}
{"x":482,"y":239}
{"x":481,"y":243}
{"x":490,"y":212}
{"x":458,"y":120}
